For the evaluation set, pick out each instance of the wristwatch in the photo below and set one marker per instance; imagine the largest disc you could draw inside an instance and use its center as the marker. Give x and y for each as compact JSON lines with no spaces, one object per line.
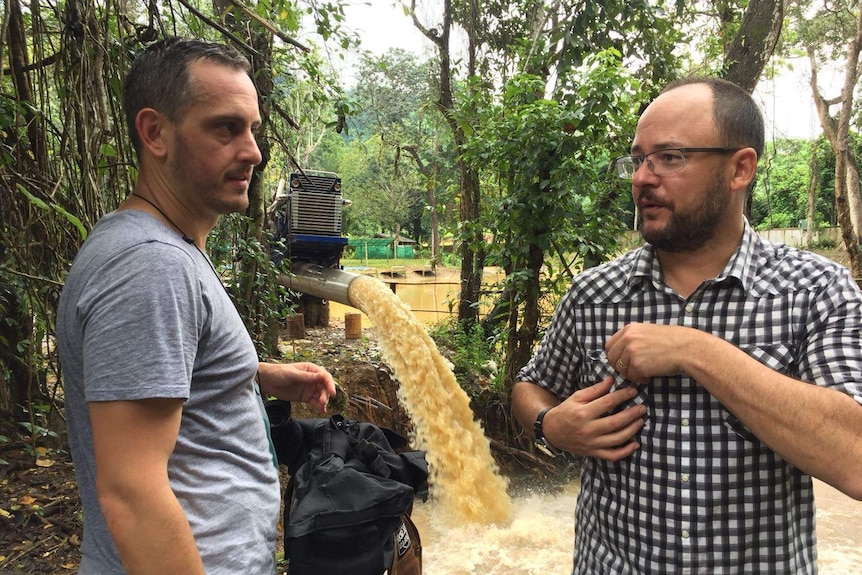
{"x":541,"y":442}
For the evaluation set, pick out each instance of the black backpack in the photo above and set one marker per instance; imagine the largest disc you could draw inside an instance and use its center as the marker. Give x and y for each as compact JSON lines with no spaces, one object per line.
{"x":348,"y":501}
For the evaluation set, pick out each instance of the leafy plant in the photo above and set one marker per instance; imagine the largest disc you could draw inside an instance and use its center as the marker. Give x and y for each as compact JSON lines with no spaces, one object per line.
{"x":252,"y":279}
{"x":469,"y":350}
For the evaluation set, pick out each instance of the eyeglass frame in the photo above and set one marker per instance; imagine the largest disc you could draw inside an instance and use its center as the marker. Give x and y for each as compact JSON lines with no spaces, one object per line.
{"x":682,"y":151}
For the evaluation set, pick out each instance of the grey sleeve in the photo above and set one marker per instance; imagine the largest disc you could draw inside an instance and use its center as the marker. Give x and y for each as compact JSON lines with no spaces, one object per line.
{"x":140,"y":319}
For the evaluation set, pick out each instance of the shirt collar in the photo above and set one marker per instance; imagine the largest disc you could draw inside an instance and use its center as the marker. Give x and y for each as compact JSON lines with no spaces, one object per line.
{"x":740,"y":266}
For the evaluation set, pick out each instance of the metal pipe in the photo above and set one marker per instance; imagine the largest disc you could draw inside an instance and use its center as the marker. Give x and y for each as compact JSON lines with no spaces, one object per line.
{"x":326,"y":283}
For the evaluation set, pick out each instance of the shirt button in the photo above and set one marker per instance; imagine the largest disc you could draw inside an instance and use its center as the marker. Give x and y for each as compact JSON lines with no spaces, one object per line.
{"x":685,"y":422}
{"x":689,"y":307}
{"x":685,"y":477}
{"x":684,"y":534}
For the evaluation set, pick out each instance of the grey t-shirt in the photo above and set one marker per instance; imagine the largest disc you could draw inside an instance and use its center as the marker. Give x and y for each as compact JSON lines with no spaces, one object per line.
{"x":143,"y":315}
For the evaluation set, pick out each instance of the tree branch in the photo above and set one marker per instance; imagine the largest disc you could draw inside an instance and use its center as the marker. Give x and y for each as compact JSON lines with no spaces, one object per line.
{"x":223,"y":30}
{"x":269,"y":26}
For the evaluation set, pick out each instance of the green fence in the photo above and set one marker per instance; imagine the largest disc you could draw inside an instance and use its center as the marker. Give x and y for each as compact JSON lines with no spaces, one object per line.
{"x":378,"y":249}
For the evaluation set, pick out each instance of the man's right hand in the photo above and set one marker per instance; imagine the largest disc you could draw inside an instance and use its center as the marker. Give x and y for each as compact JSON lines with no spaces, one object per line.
{"x":581,"y":424}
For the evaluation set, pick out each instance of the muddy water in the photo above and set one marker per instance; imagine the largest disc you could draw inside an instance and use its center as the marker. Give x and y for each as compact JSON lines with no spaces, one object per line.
{"x":839,"y":531}
{"x":431,"y":298}
{"x":464,"y":482}
{"x":540,"y":538}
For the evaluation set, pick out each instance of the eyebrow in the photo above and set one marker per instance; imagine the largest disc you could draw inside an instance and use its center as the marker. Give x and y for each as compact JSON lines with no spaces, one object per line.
{"x":236,"y":118}
{"x":661,"y":146}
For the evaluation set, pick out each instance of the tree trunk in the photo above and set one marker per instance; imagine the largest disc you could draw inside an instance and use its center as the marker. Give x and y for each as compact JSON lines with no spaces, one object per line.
{"x":430,"y":177}
{"x":853,"y":193}
{"x":471,"y":250}
{"x":753,"y":45}
{"x":837,"y":129}
{"x":521,"y":336}
{"x":810,"y":211}
{"x":259,"y":320}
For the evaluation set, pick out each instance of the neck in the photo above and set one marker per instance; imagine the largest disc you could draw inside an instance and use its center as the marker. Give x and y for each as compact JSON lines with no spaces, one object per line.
{"x":186,"y":238}
{"x":160,"y":202}
{"x":685,"y":271}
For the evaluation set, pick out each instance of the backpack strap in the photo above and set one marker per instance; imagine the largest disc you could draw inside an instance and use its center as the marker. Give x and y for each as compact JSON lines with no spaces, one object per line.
{"x":367,"y":452}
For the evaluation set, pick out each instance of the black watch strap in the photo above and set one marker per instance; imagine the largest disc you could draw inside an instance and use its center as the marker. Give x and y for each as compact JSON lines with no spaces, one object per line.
{"x":541,"y":442}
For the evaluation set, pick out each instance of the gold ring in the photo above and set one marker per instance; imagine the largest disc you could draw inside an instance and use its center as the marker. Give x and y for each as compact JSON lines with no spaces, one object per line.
{"x":620,"y":363}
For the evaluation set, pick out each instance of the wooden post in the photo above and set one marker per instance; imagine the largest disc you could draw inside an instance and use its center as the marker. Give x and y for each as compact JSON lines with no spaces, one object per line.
{"x":296,"y":326}
{"x":352,"y":325}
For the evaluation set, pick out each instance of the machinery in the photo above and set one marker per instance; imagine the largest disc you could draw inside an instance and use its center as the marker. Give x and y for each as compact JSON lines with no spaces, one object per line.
{"x":307,"y":216}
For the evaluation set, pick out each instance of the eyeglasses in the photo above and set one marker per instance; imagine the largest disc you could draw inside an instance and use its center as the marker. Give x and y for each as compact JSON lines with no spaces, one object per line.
{"x":661,"y":162}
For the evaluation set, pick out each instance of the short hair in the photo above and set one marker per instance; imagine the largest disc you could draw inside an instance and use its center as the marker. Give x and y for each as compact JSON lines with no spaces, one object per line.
{"x":735,"y":113}
{"x":159,"y":78}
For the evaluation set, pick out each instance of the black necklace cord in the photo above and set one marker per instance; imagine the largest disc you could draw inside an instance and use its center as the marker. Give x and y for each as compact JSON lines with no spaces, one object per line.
{"x":186,"y":238}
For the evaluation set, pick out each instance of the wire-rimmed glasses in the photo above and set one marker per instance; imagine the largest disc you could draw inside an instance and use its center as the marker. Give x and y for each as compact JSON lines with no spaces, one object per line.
{"x":661,"y":162}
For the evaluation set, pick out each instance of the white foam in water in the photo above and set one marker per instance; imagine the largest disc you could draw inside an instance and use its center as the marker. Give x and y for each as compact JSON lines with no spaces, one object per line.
{"x":539,"y":540}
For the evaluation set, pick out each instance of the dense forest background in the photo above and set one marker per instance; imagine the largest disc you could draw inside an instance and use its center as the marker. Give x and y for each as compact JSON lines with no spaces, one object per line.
{"x":499,"y":139}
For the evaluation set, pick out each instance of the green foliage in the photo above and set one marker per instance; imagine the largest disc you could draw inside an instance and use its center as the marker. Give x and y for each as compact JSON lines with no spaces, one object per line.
{"x":471,"y":352}
{"x":3,"y":441}
{"x":548,"y":160}
{"x":781,"y":194}
{"x":395,"y":134}
{"x":251,"y":277}
{"x":826,"y":27}
{"x":385,"y":188}
{"x":643,"y":33}
{"x":59,"y":209}
{"x":821,"y":244}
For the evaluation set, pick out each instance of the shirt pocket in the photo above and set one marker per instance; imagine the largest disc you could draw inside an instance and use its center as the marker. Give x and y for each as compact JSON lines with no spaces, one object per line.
{"x":778,"y":357}
{"x":597,"y":368}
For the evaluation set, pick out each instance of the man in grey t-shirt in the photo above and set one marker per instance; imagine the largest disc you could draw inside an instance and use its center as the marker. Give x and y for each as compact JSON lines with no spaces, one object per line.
{"x":162,"y":382}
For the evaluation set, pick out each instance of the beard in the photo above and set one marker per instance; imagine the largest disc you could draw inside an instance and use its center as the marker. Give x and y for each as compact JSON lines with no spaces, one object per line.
{"x":191,"y":169}
{"x":691,"y":230}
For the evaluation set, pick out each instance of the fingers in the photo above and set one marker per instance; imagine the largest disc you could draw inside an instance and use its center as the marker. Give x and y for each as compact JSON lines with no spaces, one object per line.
{"x":618,"y":453}
{"x":598,"y":401}
{"x":594,"y":391}
{"x":319,"y":402}
{"x":617,"y":429}
{"x":300,"y":381}
{"x":581,"y":423}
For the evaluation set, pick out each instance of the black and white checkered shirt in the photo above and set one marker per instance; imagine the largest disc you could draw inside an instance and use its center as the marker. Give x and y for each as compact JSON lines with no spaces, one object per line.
{"x":702,"y":494}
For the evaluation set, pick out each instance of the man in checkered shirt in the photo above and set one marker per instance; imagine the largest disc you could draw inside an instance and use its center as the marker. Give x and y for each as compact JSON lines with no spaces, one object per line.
{"x":706,"y":376}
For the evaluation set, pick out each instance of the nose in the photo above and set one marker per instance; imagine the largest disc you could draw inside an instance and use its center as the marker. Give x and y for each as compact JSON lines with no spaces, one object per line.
{"x":249,"y":150}
{"x":643,"y":174}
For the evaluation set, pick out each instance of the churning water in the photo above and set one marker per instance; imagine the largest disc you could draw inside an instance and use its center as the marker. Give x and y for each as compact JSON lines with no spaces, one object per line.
{"x":464,"y":479}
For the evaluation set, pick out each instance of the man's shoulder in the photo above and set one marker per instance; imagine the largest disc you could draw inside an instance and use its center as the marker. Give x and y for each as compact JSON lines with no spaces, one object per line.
{"x":782,"y":267}
{"x":130,"y":230}
{"x":128,"y":248}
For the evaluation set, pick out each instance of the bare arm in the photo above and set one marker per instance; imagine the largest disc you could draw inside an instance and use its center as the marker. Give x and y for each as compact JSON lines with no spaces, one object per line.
{"x":817,"y":429}
{"x":133,"y":441}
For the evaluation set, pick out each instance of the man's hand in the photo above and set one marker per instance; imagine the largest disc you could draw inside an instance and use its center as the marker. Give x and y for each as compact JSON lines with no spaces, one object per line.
{"x":640,"y":351}
{"x":580,"y":424}
{"x":302,"y":381}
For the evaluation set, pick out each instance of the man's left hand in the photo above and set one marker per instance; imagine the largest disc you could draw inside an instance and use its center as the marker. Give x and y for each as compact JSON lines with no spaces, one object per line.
{"x":301,"y":381}
{"x":640,"y":351}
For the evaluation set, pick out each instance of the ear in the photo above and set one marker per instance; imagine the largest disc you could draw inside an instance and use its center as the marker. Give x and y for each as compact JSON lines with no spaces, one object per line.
{"x":744,"y":168}
{"x":152,"y":130}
